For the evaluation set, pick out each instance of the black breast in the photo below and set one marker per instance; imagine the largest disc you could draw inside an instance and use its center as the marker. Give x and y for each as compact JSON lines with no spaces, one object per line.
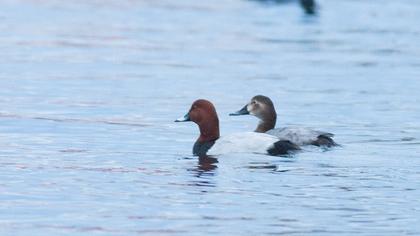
{"x":201,"y":149}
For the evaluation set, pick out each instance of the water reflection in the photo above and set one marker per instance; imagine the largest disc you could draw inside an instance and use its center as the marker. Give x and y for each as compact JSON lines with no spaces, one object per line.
{"x":207,"y":163}
{"x":204,"y":171}
{"x":262,"y":165}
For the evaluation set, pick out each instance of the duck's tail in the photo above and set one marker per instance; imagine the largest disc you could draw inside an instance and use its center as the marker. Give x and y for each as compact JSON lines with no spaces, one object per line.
{"x":283,"y":147}
{"x":324,"y":141}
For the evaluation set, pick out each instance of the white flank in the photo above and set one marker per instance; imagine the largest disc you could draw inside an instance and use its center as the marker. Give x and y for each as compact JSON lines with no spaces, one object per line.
{"x":247,"y":142}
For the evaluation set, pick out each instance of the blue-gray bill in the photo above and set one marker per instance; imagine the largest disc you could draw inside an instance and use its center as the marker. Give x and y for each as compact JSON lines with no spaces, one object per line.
{"x":184,"y":118}
{"x":243,"y":111}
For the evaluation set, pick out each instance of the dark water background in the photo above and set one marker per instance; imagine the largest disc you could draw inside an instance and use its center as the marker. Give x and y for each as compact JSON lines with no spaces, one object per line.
{"x":89,"y":91}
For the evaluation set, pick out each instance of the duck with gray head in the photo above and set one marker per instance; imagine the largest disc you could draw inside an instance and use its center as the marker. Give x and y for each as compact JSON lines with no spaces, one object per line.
{"x":262,"y":107}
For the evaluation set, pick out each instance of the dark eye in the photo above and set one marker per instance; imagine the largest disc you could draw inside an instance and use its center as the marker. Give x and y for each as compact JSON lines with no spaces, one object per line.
{"x":253,"y":102}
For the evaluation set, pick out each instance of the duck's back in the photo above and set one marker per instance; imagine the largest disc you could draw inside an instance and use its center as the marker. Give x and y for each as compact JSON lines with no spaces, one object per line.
{"x":250,"y":142}
{"x":299,"y":135}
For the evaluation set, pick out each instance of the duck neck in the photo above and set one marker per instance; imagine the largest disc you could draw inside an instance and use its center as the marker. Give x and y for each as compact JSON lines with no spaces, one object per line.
{"x":267,"y":122}
{"x":209,"y":130}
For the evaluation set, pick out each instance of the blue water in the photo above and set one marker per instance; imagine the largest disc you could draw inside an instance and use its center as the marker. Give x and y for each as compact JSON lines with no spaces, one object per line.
{"x":90,"y":89}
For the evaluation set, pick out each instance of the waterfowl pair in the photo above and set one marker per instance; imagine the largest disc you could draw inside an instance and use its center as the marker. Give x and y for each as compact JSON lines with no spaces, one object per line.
{"x":203,"y":113}
{"x":263,"y":108}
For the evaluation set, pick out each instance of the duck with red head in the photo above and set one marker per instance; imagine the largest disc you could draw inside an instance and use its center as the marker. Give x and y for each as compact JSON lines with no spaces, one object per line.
{"x":203,"y":113}
{"x":262,"y":107}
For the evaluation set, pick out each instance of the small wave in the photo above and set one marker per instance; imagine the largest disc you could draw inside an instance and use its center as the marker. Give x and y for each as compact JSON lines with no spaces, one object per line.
{"x":110,"y":121}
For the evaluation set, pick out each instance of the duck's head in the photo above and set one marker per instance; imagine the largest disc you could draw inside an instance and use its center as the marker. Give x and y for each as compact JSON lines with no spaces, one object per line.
{"x":203,"y":113}
{"x":263,"y":108}
{"x":259,"y":106}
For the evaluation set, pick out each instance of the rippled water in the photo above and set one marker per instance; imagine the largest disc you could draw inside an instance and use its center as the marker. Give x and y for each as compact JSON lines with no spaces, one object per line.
{"x":89,"y":92}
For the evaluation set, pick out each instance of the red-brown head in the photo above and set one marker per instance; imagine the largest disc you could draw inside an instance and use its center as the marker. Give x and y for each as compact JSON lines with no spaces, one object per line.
{"x":203,"y":113}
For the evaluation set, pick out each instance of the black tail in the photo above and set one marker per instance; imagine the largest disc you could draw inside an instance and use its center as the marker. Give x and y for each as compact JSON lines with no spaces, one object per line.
{"x":324,"y":141}
{"x":283,"y":147}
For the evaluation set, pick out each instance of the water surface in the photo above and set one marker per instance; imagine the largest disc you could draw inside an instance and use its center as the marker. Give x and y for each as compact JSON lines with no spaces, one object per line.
{"x":89,"y":92}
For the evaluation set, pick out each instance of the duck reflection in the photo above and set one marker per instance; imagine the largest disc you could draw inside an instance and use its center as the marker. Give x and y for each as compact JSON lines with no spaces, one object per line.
{"x":275,"y":166}
{"x":309,"y":6}
{"x":262,"y":165}
{"x":207,"y":163}
{"x":204,"y":171}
